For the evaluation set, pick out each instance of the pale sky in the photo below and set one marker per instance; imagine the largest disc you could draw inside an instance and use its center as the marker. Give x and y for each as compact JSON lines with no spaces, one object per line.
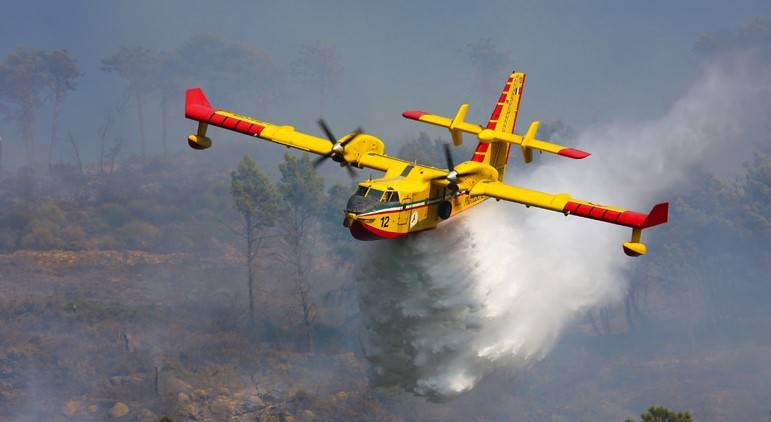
{"x":587,"y":61}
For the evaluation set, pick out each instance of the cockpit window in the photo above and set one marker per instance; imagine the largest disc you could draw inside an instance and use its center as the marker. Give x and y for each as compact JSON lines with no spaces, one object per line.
{"x":367,"y":199}
{"x":391,"y":197}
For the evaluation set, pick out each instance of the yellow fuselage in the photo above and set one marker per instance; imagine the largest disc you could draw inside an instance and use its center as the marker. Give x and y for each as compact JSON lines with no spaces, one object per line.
{"x":394,"y":207}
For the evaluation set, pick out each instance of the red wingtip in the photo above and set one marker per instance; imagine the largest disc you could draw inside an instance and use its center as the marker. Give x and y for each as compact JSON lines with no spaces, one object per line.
{"x":658,"y":215}
{"x":197,"y":107}
{"x":414,"y":114}
{"x":573,"y":153}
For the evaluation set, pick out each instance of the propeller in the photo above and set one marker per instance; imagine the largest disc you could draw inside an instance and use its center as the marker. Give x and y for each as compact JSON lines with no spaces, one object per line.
{"x":452,"y":175}
{"x":338,"y":147}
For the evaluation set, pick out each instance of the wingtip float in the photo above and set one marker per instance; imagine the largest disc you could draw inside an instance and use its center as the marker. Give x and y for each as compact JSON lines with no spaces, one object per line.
{"x":411,"y":198}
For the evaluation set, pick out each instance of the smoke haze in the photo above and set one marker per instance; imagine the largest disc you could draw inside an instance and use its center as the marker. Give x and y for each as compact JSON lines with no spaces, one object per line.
{"x":113,"y":265}
{"x":496,"y":290}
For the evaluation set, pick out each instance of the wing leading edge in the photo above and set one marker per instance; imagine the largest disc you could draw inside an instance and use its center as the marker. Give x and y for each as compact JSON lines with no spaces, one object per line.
{"x":365,"y":151}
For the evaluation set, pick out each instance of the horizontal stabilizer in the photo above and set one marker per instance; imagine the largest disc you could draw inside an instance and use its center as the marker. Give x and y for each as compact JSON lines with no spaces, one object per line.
{"x":527,"y":142}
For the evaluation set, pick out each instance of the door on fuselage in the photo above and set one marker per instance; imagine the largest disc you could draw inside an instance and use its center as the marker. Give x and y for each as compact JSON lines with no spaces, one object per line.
{"x":404,"y":215}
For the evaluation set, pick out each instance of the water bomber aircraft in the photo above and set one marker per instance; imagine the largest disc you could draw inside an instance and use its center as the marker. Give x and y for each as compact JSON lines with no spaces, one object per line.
{"x":412,"y":197}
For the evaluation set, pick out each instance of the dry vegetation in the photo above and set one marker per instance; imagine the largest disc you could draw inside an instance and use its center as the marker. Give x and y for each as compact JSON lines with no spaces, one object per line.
{"x":153,"y":281}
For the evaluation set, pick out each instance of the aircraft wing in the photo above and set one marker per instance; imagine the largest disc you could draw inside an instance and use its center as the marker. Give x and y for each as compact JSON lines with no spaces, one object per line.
{"x":567,"y":205}
{"x":527,"y":142}
{"x":367,"y":151}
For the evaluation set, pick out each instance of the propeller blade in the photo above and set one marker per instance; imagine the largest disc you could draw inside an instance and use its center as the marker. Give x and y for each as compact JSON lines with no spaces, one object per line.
{"x":317,"y":162}
{"x":351,"y":171}
{"x":448,"y":157}
{"x":327,"y":132}
{"x":356,"y":133}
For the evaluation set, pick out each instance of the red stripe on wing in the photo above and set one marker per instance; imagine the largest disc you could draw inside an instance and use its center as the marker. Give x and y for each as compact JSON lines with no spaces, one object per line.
{"x":573,"y":153}
{"x":625,"y":218}
{"x":414,"y":114}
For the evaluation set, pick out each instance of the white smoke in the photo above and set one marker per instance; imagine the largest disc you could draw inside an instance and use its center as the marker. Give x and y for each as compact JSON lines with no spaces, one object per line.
{"x":495,"y":288}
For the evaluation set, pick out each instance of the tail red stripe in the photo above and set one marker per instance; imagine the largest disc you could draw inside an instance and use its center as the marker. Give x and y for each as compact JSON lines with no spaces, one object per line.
{"x":496,"y":112}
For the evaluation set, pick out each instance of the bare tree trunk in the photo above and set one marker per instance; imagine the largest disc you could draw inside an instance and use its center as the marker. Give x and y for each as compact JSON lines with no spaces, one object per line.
{"x":250,"y":269}
{"x":27,"y":123}
{"x":301,"y":283}
{"x":76,"y":150}
{"x":114,"y":151}
{"x":157,"y":379}
{"x":54,"y":129}
{"x":164,"y":121}
{"x":103,"y":132}
{"x":141,"y":121}
{"x":126,"y":342}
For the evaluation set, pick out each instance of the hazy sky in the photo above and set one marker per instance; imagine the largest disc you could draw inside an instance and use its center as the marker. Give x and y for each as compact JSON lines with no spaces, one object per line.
{"x":587,"y":61}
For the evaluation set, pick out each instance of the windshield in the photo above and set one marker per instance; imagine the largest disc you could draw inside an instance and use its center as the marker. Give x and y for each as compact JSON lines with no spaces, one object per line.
{"x":365,"y":199}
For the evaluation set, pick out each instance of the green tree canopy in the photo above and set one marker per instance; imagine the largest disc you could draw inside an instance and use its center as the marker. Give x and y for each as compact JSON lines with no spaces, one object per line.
{"x":136,"y":65}
{"x":662,"y":414}
{"x":301,"y":186}
{"x":253,"y":195}
{"x":140,"y":68}
{"x":221,"y":66}
{"x":255,"y":199}
{"x":24,"y":77}
{"x":62,"y":72}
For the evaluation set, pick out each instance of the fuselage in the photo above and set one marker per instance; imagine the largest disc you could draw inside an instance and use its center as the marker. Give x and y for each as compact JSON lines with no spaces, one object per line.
{"x":395,"y":207}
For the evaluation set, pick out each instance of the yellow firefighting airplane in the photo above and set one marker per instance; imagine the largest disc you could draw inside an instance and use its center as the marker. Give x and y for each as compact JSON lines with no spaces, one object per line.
{"x":413,"y":197}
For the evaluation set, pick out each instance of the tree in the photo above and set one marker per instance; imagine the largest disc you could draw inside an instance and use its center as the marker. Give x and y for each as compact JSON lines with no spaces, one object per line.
{"x":319,"y":66}
{"x":231,"y":69}
{"x":62,"y":72}
{"x":23,"y":80}
{"x":662,"y":414}
{"x":257,"y":202}
{"x":756,"y":34}
{"x":139,"y":67}
{"x":332,"y":216}
{"x":302,"y":190}
{"x":423,"y":150}
{"x":488,"y":60}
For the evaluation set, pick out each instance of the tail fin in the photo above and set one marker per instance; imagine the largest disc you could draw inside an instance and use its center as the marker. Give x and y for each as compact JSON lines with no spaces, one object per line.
{"x":503,"y":119}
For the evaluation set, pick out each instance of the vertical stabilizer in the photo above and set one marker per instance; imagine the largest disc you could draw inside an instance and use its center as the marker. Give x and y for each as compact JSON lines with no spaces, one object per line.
{"x":503,"y":119}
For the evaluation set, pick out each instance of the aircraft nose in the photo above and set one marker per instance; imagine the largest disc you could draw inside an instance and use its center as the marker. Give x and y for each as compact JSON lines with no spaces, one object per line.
{"x":350,"y":217}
